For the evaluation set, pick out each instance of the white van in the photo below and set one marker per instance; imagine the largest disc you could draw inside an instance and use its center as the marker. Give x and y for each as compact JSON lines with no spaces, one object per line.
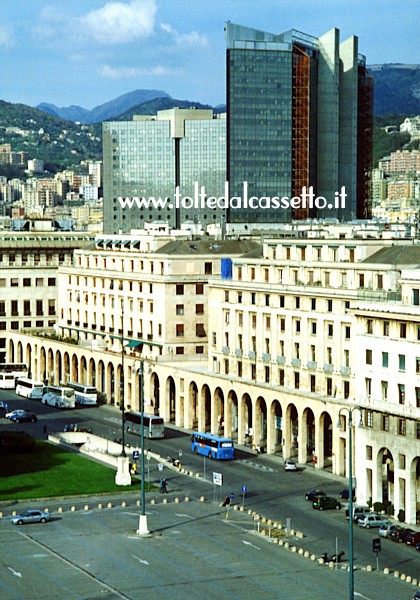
{"x":359,"y":510}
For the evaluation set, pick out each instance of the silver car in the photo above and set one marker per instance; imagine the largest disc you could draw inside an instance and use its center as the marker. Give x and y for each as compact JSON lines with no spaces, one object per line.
{"x":31,"y":516}
{"x":372,"y":520}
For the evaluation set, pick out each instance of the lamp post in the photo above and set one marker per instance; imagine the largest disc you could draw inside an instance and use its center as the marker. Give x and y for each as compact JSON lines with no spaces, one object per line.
{"x":143,"y":529}
{"x":350,"y":412}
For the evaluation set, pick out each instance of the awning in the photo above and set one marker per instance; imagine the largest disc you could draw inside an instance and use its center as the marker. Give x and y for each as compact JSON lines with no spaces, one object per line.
{"x":134,"y":344}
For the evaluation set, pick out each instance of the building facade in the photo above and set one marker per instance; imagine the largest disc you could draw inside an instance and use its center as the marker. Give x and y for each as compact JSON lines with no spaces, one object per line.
{"x":300,"y":114}
{"x":150,"y":156}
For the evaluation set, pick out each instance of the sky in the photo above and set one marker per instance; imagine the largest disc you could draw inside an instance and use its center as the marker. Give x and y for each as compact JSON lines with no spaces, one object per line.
{"x":87,"y":52}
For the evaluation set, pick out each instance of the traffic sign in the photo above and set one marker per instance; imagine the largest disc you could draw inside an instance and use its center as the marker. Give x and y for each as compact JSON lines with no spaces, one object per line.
{"x":244,"y":488}
{"x":135,"y":454}
{"x":217,"y":478}
{"x":232,"y":495}
{"x":376,"y":544}
{"x":160,"y":467}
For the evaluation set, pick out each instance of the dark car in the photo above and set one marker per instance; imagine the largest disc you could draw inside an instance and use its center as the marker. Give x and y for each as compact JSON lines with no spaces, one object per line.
{"x":399,"y":534}
{"x":326,"y":502}
{"x":344,"y":494}
{"x":314,"y":494}
{"x":412,"y":538}
{"x":24,"y":417}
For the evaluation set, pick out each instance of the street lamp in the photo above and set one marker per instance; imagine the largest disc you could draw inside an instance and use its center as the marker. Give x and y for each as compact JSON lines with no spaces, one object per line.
{"x":142,"y":530}
{"x":350,"y":412}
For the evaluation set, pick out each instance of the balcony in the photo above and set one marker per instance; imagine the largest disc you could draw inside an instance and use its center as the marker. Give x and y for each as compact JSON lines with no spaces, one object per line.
{"x":251,"y":354}
{"x":266,"y":357}
{"x":238,"y":352}
{"x":328,"y":368}
{"x":345,"y":370}
{"x":311,"y":364}
{"x":280,"y":360}
{"x":295,"y":362}
{"x":225,"y":349}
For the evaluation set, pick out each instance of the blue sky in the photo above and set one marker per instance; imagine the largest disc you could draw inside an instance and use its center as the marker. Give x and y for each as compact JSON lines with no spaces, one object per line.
{"x":87,"y":52}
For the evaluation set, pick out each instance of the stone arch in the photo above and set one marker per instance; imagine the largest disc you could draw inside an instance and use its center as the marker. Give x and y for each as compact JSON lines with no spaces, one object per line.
{"x":83,"y":370}
{"x":19,"y":353}
{"x":260,"y":422}
{"x":218,"y":414}
{"x":275,"y":428}
{"x":231,"y":416}
{"x":171,"y":398}
{"x":204,"y":414}
{"x":308,"y":436}
{"x":50,"y":366}
{"x":245,"y":420}
{"x":155,"y":393}
{"x":100,"y":379}
{"x":119,"y":386}
{"x":43,"y":364}
{"x":91,"y":373}
{"x":291,"y":433}
{"x":74,"y":373}
{"x":28,"y":359}
{"x":385,"y":491}
{"x":194,"y":410}
{"x":110,"y":383}
{"x":65,"y":375}
{"x":412,"y":504}
{"x":11,"y":352}
{"x":326,"y":443}
{"x":58,"y":368}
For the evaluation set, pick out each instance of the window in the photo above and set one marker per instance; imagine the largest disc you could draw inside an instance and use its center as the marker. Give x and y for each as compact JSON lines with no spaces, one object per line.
{"x":417,"y":390}
{"x":384,"y":388}
{"x":346,"y":389}
{"x":416,"y":299}
{"x":313,"y":303}
{"x":226,"y":362}
{"x":329,"y":386}
{"x":213,"y":338}
{"x":26,"y":308}
{"x":179,"y":350}
{"x":297,"y":380}
{"x":199,"y":309}
{"x":330,"y":329}
{"x":281,"y":376}
{"x":385,"y":328}
{"x":2,"y":308}
{"x":199,"y":330}
{"x":369,"y":452}
{"x":208,"y":268}
{"x":297,"y":302}
{"x":179,"y":329}
{"x":346,"y":358}
{"x":385,"y":422}
{"x":297,"y":326}
{"x":361,"y":280}
{"x":297,"y":350}
{"x":39,"y":281}
{"x":369,"y":326}
{"x":401,"y":427}
{"x":380,"y":282}
{"x":401,"y":393}
{"x":347,"y":332}
{"x":313,"y":327}
{"x":267,"y":374}
{"x":179,"y":289}
{"x":15,"y":308}
{"x":239,"y":368}
{"x":417,"y":365}
{"x":368,"y":418}
{"x":281,"y":301}
{"x":282,"y":324}
{"x":267,"y":299}
{"x":15,"y":325}
{"x":253,"y":298}
{"x":329,"y":305}
{"x":313,"y":383}
{"x":418,"y":430}
{"x":239,"y":297}
{"x":403,"y":330}
{"x":385,"y":360}
{"x":26,"y":282}
{"x":14,"y":282}
{"x":401,"y":362}
{"x":179,"y":309}
{"x":368,"y":357}
{"x":252,"y":273}
{"x":313,"y":352}
{"x":240,"y":273}
{"x":226,"y":295}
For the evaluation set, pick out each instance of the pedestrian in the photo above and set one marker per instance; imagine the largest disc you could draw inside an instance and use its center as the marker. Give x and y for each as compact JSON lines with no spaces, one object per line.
{"x":45,"y":430}
{"x":226,"y":501}
{"x":134,"y":468}
{"x":163,"y":488}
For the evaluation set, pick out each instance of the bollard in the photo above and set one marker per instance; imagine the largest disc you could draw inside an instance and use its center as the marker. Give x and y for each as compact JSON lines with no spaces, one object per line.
{"x":300,"y":551}
{"x":73,"y":509}
{"x":86,"y":507}
{"x":331,"y":564}
{"x":300,"y":535}
{"x":281,"y":542}
{"x":286,"y":544}
{"x":109,"y":504}
{"x":165,"y":501}
{"x":60,"y":509}
{"x":176,"y":500}
{"x":152,"y":501}
{"x":321,"y":561}
{"x":197,"y":475}
{"x":386,"y":571}
{"x":14,"y":513}
{"x":236,"y":507}
{"x":100,"y":506}
{"x":408,"y":579}
{"x":138,"y":503}
{"x":369,"y":568}
{"x":202,"y":499}
{"x":293,"y":548}
{"x":186,"y":499}
{"x":403,"y":577}
{"x":313,"y":557}
{"x":414,"y":581}
{"x":396,"y":573}
{"x":123,"y":503}
{"x":306,"y":554}
{"x":241,"y":509}
{"x":47,"y":510}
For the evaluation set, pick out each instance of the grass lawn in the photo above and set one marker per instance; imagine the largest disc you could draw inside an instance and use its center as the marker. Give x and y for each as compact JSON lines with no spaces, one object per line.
{"x":50,"y":471}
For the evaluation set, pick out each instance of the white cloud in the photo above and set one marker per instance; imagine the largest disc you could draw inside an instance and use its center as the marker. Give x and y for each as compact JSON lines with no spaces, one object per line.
{"x":120,"y":22}
{"x":130,"y":72}
{"x":191,"y":39}
{"x":6,"y":37}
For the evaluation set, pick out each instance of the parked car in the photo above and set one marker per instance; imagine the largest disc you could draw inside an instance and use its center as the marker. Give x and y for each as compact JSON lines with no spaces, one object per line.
{"x":326,"y":502}
{"x":344,"y":494}
{"x":314,"y":494}
{"x":24,"y":416}
{"x":290,"y":465}
{"x":358,"y":511}
{"x":10,"y":414}
{"x":386,"y":530}
{"x":372,"y":520}
{"x":416,"y":595}
{"x":399,"y":534}
{"x":31,"y":516}
{"x":413,"y":538}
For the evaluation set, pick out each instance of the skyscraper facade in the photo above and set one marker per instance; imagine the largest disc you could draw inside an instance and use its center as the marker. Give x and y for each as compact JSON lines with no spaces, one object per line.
{"x":151,"y":156}
{"x":299,"y":114}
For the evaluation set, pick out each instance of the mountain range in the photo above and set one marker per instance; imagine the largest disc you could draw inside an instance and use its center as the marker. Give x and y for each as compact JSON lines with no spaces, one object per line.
{"x":103,"y":112}
{"x":397,"y":90}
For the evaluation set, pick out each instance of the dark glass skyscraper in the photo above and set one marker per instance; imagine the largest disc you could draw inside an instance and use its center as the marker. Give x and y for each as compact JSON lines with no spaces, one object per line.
{"x":299,"y":114}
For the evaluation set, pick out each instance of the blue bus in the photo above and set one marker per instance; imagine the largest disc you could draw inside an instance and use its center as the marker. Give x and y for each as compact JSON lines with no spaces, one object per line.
{"x":212,"y":446}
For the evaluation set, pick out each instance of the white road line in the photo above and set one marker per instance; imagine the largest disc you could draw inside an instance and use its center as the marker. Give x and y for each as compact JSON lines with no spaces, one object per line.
{"x":249,"y":544}
{"x":141,"y":560}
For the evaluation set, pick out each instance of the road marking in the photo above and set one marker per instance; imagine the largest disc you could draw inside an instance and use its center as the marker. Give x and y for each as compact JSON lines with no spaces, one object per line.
{"x":258,"y":466}
{"x":249,"y":544}
{"x":182,"y":515}
{"x":15,"y":572}
{"x":39,"y":555}
{"x":361,"y":596}
{"x":143,"y":562}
